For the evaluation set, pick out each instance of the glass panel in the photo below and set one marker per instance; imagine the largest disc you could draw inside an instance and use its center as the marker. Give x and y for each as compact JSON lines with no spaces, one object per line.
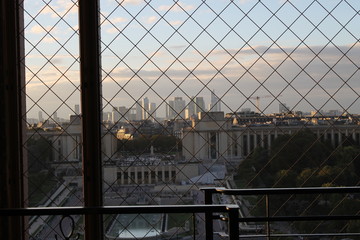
{"x":53,"y":116}
{"x":228,"y":93}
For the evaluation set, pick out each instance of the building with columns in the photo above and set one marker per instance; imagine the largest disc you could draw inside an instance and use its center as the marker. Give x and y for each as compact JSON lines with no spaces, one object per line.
{"x":214,"y":138}
{"x":149,"y":172}
{"x":65,"y":142}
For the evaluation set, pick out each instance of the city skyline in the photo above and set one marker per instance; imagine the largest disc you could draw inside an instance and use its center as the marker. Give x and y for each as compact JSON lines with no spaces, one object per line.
{"x":230,"y":94}
{"x":296,"y":58}
{"x":130,"y":114}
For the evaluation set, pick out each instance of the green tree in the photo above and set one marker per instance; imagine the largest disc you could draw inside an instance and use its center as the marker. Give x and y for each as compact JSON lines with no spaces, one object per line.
{"x":303,"y":160}
{"x":143,"y":143}
{"x":298,"y":151}
{"x":252,"y":172}
{"x":164,"y":143}
{"x":300,"y":160}
{"x":285,"y":178}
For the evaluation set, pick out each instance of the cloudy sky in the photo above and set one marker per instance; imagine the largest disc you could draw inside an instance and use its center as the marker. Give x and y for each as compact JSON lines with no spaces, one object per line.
{"x":300,"y":52}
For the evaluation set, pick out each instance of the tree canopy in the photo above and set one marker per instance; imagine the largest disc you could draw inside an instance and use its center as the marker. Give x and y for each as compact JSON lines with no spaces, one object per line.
{"x":301,"y":160}
{"x":304,"y":160}
{"x":142,"y":144}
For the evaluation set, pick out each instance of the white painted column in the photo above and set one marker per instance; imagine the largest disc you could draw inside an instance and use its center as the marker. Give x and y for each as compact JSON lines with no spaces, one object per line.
{"x":163,"y":173}
{"x":122,"y":177}
{"x":269,"y":140}
{"x":136,"y":175}
{"x":354,"y":136}
{"x":332,"y":137}
{"x":240,"y":144}
{"x":340,"y":138}
{"x":248,"y":142}
{"x":142,"y":175}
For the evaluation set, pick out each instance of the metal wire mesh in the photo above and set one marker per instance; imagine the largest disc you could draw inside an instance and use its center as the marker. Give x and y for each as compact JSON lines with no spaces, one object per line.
{"x":281,"y":78}
{"x":53,"y":147}
{"x":251,"y":59}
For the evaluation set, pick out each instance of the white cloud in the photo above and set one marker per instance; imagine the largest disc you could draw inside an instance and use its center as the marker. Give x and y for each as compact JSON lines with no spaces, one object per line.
{"x":176,"y":23}
{"x":177,"y":7}
{"x":49,"y":40}
{"x":131,"y":2}
{"x":151,"y":19}
{"x":232,"y":72}
{"x":58,"y":56}
{"x":37,"y":29}
{"x":67,"y":6}
{"x":49,"y":10}
{"x":105,"y":22}
{"x":49,"y":76}
{"x":60,"y":8}
{"x":112,"y":30}
{"x":261,"y":70}
{"x":118,"y":20}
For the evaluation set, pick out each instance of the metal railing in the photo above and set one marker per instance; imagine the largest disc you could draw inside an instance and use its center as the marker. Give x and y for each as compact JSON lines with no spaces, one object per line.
{"x":67,"y":212}
{"x":268,"y":218}
{"x":231,"y":213}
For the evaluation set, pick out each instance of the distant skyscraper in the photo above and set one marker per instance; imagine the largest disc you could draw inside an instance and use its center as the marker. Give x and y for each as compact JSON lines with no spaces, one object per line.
{"x":124,"y":112}
{"x":152,"y":110}
{"x":55,"y":117}
{"x":119,"y":114}
{"x":115,"y":115}
{"x":145,"y":108}
{"x":138,"y":110}
{"x":199,"y":105}
{"x":176,"y":108}
{"x":132,"y":114}
{"x":215,"y":105}
{"x":107,"y":116}
{"x":283,"y":108}
{"x":170,"y":109}
{"x":41,"y":119}
{"x":191,"y":108}
{"x":196,"y":105}
{"x":334,"y":113}
{"x":77,"y":109}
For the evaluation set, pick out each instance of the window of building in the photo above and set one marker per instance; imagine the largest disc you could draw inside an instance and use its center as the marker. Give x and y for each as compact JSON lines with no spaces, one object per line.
{"x":188,"y":92}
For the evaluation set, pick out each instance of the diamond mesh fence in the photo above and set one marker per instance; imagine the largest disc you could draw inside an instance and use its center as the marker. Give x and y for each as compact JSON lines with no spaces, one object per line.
{"x":280,"y":80}
{"x":53,"y":147}
{"x":236,"y":94}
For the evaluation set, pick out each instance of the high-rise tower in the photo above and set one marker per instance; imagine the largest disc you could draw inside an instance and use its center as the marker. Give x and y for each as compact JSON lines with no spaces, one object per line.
{"x":145,"y":108}
{"x":215,"y":105}
{"x":176,"y":108}
{"x":41,"y":119}
{"x":77,"y":109}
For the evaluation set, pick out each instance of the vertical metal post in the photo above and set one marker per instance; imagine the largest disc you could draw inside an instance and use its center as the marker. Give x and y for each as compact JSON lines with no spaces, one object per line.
{"x":194,"y":225}
{"x":12,"y":80}
{"x":267,"y":216}
{"x":91,"y":113}
{"x":233,"y":223}
{"x":208,"y":215}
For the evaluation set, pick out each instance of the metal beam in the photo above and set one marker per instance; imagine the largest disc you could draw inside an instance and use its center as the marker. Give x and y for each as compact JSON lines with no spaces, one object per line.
{"x":209,"y":215}
{"x":91,"y":112}
{"x":135,"y":209}
{"x":12,"y":108}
